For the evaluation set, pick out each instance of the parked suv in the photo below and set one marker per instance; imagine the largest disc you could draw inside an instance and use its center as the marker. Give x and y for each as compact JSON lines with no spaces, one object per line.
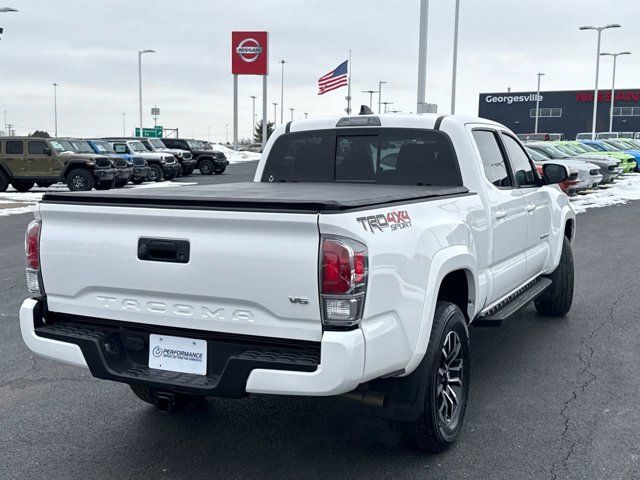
{"x":208,"y":161}
{"x":25,"y":161}
{"x":162,"y":166}
{"x":137,"y":164}
{"x":185,"y":158}
{"x":123,"y":170}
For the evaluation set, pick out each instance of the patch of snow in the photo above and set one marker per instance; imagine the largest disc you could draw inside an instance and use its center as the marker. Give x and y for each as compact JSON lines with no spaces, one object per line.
{"x":625,"y":189}
{"x":236,"y":157}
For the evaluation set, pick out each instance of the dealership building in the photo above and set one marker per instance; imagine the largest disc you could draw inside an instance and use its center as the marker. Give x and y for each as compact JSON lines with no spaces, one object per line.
{"x":568,"y":111}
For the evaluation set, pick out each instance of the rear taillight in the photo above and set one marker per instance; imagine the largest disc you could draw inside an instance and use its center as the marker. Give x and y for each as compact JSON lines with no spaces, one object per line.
{"x":32,"y":251}
{"x":343,"y":280}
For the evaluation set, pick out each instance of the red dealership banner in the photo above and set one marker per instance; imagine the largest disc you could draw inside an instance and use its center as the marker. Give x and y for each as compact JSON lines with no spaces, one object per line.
{"x":249,"y":53}
{"x":605,"y":96}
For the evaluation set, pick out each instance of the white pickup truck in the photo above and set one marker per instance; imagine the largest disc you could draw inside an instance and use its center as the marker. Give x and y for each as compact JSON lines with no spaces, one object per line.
{"x":353,"y":264}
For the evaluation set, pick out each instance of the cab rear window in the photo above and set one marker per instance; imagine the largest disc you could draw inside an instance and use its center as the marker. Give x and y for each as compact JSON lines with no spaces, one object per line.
{"x":385,"y":156}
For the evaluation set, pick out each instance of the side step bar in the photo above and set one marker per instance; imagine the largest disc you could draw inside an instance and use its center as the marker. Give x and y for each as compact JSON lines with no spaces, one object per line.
{"x":510,"y":305}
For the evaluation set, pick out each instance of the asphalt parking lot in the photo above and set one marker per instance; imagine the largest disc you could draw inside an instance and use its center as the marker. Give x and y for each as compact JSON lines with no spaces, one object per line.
{"x":549,"y":398}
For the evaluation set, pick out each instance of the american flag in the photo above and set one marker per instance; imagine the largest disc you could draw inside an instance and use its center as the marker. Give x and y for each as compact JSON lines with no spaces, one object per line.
{"x":336,"y":78}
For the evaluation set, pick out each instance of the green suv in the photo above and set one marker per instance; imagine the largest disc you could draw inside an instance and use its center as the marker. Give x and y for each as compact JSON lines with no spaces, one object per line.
{"x":25,"y":161}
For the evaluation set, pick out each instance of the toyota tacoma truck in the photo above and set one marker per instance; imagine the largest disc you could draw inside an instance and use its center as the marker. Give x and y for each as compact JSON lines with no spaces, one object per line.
{"x":354,"y":264}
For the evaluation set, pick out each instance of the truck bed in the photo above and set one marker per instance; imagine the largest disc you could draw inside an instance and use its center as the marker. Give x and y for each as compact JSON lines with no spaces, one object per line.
{"x":253,"y":196}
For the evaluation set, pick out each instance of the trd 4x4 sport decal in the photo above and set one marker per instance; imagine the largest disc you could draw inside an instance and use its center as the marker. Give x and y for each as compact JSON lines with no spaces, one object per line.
{"x":392,"y":221}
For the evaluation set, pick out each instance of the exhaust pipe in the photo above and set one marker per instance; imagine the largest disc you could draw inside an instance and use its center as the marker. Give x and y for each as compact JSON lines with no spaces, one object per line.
{"x":367,"y":397}
{"x":165,"y":402}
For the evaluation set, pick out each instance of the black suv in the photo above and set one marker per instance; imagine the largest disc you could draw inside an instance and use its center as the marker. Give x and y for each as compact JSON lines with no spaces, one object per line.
{"x":209,"y":161}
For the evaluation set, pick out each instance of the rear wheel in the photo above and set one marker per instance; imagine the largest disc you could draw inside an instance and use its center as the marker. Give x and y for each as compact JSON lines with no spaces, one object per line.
{"x":557,"y":298}
{"x":447,"y":385}
{"x":206,"y":167}
{"x":4,"y":181}
{"x":22,"y":186}
{"x":80,"y":180}
{"x":156,"y":174}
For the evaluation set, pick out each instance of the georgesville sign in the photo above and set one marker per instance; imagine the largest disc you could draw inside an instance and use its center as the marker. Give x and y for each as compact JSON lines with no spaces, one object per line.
{"x":249,"y":53}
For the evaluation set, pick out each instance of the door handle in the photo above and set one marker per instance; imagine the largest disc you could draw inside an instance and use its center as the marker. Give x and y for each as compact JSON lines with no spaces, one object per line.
{"x":500,"y":214}
{"x":530,"y":207}
{"x":164,"y":250}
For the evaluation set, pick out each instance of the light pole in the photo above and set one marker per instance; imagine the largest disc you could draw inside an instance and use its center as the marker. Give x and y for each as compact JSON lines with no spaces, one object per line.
{"x":227,"y":126}
{"x":380,"y":83}
{"x":454,"y":74}
{"x":306,"y":115}
{"x":370,"y":92}
{"x":292,"y":110}
{"x":535,"y":129}
{"x":422,"y":54}
{"x":124,"y":124}
{"x":275,"y":113}
{"x":55,"y":108}
{"x":5,"y":123}
{"x":140,"y":53}
{"x":282,"y":92}
{"x":595,"y":90}
{"x":613,"y":83}
{"x":386,"y":106}
{"x":253,"y":114}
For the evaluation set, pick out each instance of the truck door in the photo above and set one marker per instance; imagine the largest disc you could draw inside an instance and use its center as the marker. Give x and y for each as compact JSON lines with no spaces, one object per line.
{"x":508,"y":217}
{"x":536,"y":204}
{"x":39,"y":159}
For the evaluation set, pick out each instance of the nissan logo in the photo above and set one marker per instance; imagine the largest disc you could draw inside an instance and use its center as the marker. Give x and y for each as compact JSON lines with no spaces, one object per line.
{"x":249,"y":50}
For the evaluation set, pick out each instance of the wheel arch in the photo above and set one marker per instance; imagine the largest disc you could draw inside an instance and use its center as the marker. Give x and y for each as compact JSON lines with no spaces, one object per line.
{"x":455,"y":266}
{"x":71,"y":165}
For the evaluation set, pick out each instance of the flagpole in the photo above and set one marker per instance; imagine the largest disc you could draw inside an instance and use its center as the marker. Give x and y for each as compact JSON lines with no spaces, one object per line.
{"x":349,"y":85}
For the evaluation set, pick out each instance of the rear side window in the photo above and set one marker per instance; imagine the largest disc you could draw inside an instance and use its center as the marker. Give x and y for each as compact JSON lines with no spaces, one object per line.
{"x":36,"y":147}
{"x":520,"y":164}
{"x":493,"y":162}
{"x":15,"y":147}
{"x":385,"y":156}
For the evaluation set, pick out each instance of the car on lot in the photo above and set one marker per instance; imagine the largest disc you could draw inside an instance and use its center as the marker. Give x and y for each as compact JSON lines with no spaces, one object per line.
{"x":626,"y":145}
{"x":25,"y":161}
{"x":589,"y":175}
{"x":208,"y":161}
{"x":628,"y":163}
{"x":186,"y":162}
{"x":569,"y":186}
{"x":554,"y":153}
{"x":139,"y":167}
{"x":123,"y":171}
{"x":162,"y":166}
{"x":584,"y":136}
{"x":609,"y":165}
{"x":327,"y":275}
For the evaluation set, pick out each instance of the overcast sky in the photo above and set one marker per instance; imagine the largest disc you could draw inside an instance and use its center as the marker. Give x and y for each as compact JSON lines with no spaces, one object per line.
{"x":90,"y":49}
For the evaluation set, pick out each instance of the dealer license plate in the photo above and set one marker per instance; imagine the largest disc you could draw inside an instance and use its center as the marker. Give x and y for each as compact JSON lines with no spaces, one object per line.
{"x":177,"y":354}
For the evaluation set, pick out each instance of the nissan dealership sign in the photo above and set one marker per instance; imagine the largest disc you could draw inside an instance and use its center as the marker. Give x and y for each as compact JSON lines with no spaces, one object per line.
{"x":531,"y":97}
{"x":249,"y":53}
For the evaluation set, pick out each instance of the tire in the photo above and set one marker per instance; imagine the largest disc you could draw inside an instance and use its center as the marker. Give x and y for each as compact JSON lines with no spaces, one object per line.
{"x":441,"y":420}
{"x":206,"y":167}
{"x":219,"y":170}
{"x":4,"y":181}
{"x":22,"y":186}
{"x":156,"y":174}
{"x":80,"y":180}
{"x":557,"y":299}
{"x":148,"y":395}
{"x":138,"y":181}
{"x":170,"y":176}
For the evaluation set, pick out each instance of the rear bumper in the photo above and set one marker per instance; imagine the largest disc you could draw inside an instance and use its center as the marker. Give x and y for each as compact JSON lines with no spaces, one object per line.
{"x":236,"y":364}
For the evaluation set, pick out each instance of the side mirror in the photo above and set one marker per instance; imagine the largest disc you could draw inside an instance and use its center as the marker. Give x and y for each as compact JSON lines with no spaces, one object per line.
{"x":554,"y":173}
{"x":46,"y":151}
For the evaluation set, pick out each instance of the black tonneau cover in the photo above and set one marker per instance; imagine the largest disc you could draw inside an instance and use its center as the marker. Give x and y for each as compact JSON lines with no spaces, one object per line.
{"x":288,"y":197}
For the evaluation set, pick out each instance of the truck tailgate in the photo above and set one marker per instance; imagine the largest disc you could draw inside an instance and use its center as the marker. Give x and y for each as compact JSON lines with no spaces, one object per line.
{"x":243,"y":267}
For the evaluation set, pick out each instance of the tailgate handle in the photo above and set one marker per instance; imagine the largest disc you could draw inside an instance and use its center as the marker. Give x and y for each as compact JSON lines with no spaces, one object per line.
{"x":163,"y":250}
